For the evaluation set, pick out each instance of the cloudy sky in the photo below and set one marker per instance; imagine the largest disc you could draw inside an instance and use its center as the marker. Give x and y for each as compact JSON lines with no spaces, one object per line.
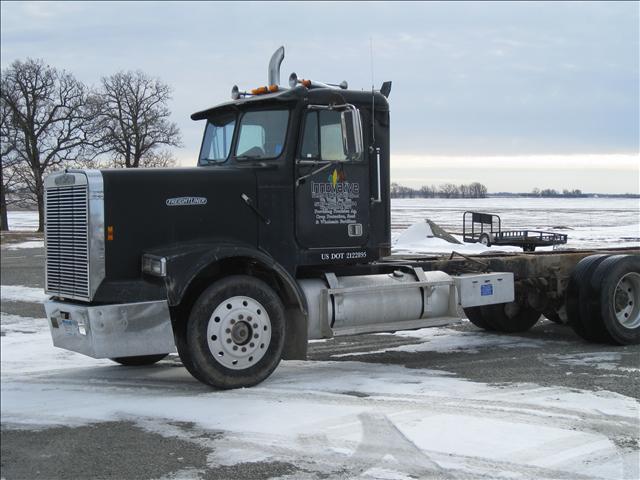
{"x":514,"y":95}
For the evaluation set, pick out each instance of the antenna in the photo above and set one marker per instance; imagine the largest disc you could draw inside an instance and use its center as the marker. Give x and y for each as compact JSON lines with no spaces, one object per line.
{"x":373,"y":98}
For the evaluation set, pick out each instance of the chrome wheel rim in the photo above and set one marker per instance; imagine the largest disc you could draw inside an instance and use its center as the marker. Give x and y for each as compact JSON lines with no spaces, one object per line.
{"x":239,"y":332}
{"x":626,"y":300}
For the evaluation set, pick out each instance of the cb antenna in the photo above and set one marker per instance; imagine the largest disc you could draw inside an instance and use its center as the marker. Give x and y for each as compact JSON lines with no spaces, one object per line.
{"x":373,"y":97}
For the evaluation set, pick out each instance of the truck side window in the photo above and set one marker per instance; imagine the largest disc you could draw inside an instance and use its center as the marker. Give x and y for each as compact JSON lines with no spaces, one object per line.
{"x":310,"y":137}
{"x":217,"y":140}
{"x":322,"y":136}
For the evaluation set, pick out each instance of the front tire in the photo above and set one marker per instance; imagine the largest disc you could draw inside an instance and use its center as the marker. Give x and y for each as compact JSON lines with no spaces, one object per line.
{"x":235,"y":334}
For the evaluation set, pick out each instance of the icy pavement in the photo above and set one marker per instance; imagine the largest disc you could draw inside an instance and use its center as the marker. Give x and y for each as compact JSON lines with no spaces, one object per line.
{"x":332,"y":419}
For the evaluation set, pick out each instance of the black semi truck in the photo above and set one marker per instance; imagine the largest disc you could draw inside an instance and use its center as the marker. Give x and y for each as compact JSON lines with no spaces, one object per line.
{"x":280,"y":235}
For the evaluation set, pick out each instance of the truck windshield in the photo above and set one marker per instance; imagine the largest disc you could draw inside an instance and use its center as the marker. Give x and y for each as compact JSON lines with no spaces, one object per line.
{"x":216,"y":144}
{"x":262,"y":134}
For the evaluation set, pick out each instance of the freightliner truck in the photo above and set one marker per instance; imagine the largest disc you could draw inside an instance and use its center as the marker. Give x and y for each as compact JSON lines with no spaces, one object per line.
{"x":281,"y":235}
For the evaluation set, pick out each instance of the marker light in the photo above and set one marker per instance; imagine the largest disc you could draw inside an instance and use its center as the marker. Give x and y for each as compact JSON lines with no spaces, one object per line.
{"x":110,"y":233}
{"x":263,"y":90}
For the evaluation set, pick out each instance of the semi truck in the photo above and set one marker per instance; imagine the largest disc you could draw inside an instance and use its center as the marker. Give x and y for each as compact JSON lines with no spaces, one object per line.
{"x":281,"y":235}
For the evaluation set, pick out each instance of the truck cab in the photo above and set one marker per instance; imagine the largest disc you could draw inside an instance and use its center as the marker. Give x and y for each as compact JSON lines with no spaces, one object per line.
{"x":274,"y":238}
{"x":314,"y":202}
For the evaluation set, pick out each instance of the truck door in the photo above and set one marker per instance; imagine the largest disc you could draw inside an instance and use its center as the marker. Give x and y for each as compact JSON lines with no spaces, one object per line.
{"x":332,"y":191}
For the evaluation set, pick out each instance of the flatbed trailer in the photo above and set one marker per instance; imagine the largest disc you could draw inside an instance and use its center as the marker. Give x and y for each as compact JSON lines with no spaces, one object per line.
{"x":281,"y":235}
{"x":486,"y":228}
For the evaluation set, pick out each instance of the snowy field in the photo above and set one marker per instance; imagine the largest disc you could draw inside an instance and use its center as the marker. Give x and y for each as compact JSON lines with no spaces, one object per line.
{"x":589,"y":222}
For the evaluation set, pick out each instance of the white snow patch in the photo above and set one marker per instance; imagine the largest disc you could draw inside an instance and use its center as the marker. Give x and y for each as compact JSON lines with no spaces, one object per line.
{"x":601,"y":360}
{"x":418,"y":238}
{"x":27,"y":347}
{"x":18,"y":293}
{"x":28,"y":244}
{"x":444,"y":340}
{"x":23,"y":220}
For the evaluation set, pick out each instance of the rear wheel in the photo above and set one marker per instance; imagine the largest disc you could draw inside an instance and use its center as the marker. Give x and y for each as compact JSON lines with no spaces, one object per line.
{"x":485,"y":240}
{"x":577,"y":297}
{"x":510,"y":317}
{"x":553,"y":316}
{"x":140,"y":360}
{"x":235,"y":333}
{"x":474,"y":315}
{"x":615,"y":293}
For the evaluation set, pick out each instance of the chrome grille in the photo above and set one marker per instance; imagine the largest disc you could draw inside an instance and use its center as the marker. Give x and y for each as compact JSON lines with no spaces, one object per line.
{"x":67,"y":241}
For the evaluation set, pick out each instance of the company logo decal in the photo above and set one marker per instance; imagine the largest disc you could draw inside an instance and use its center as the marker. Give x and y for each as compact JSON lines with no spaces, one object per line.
{"x":335,"y":201}
{"x":336,"y":183}
{"x":336,"y":177}
{"x":185,"y":201}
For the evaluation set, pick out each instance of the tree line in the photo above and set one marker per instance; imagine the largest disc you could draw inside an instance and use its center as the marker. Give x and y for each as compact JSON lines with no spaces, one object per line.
{"x":49,"y":121}
{"x":550,"y":192}
{"x":447,"y":190}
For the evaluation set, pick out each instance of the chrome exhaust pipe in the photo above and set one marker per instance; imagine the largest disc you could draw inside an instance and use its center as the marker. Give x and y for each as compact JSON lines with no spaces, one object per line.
{"x":274,"y":66}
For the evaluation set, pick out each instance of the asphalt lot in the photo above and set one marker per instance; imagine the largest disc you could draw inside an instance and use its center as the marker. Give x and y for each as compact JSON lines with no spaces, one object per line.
{"x":550,"y":356}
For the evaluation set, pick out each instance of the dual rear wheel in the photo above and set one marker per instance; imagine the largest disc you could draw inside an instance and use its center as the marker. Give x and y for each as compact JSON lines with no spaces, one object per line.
{"x":602,"y":303}
{"x":603,"y":299}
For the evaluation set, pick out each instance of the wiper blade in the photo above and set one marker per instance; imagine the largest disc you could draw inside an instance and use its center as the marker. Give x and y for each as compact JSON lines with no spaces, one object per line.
{"x":210,"y":161}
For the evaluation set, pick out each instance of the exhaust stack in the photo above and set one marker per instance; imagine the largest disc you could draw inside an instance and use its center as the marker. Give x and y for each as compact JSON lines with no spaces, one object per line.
{"x":274,"y":66}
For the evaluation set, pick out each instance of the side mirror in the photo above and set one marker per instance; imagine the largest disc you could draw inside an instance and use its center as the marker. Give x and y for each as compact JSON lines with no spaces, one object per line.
{"x":352,"y":142}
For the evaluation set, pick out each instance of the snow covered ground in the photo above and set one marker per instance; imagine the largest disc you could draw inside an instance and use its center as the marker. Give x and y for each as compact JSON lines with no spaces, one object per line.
{"x":343,"y":419}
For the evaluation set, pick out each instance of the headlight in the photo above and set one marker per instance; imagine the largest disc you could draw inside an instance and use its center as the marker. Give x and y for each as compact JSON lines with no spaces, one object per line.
{"x":154,"y":265}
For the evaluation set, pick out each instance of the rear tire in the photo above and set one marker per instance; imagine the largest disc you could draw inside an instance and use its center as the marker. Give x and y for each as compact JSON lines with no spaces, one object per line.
{"x":510,"y":317}
{"x":140,"y":360}
{"x":553,"y":316}
{"x":577,"y":297}
{"x":235,"y":334}
{"x":474,"y":315}
{"x":485,"y":240}
{"x":615,"y":299}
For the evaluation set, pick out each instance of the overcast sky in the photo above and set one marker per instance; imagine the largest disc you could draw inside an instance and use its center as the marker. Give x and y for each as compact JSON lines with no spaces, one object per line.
{"x":514,"y":95}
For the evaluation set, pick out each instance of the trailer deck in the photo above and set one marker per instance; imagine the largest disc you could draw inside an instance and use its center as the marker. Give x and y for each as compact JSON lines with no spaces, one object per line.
{"x":527,"y":239}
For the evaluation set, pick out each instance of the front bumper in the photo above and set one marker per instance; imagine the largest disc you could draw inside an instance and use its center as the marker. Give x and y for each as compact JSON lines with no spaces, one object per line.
{"x":111,"y":331}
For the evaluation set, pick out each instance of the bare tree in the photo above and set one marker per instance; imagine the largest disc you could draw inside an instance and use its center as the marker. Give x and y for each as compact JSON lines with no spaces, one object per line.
{"x":477,"y":190}
{"x":49,"y":121}
{"x":6,"y":162}
{"x":134,"y":118}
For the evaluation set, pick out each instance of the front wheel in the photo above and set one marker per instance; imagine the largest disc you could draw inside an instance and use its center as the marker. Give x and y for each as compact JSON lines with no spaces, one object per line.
{"x":235,"y":333}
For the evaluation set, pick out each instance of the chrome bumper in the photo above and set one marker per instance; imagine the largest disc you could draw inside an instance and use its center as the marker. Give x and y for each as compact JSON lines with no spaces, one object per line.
{"x":111,"y":331}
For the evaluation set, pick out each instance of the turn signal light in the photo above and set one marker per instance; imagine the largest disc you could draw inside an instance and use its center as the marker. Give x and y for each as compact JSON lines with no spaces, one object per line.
{"x":263,"y":90}
{"x":110,"y":233}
